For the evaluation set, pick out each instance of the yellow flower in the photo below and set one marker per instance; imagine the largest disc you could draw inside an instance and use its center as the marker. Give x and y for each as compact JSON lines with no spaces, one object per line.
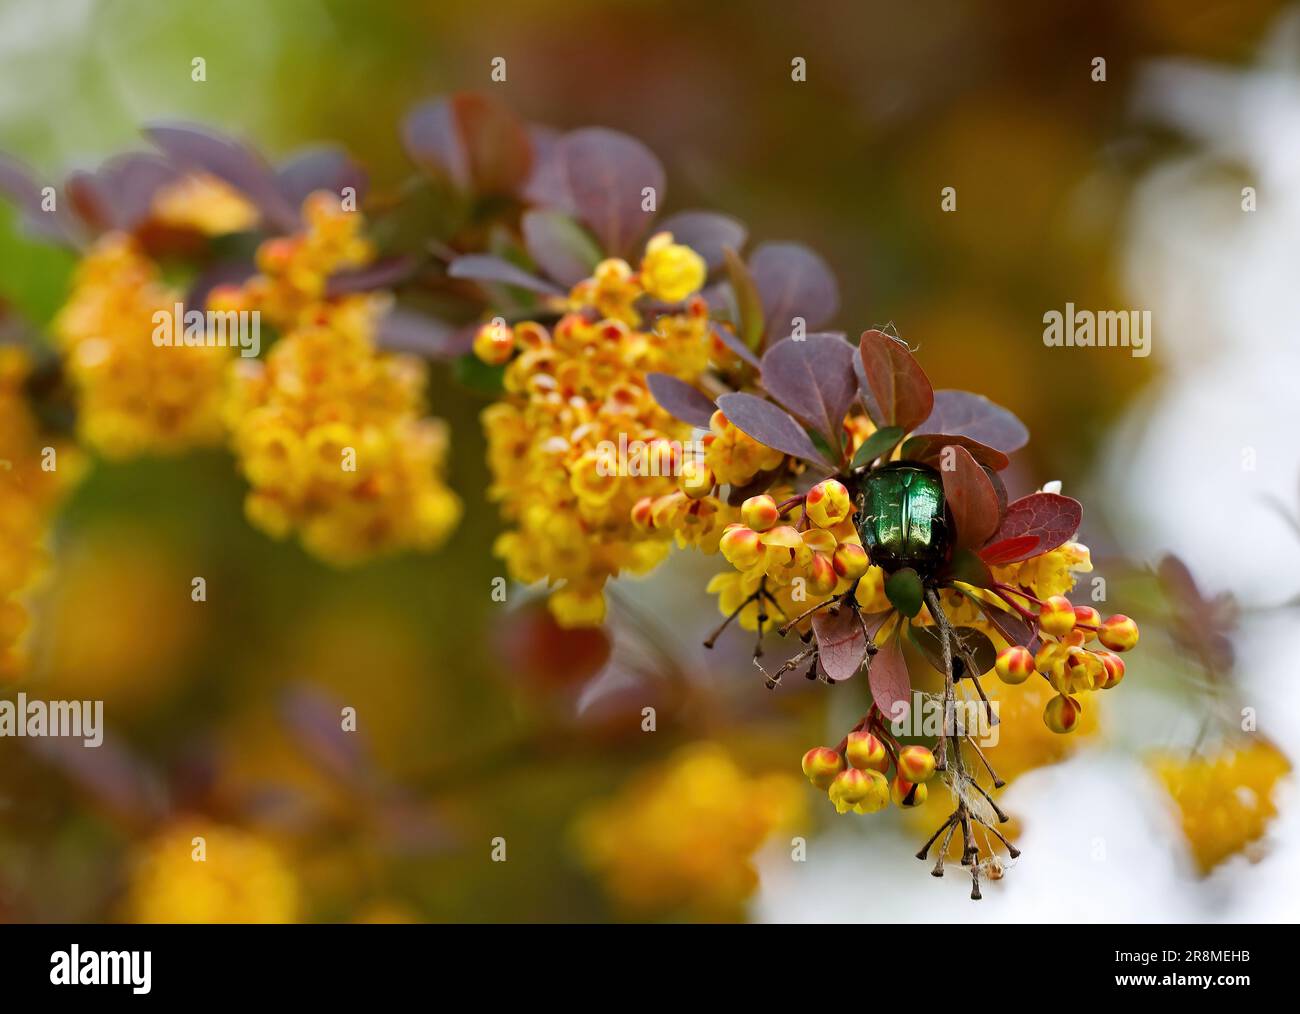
{"x":1225,"y":799}
{"x":204,"y":204}
{"x":331,"y":436}
{"x":240,"y":878}
{"x":671,"y":271}
{"x":679,"y":838}
{"x":133,"y":396}
{"x":34,"y":476}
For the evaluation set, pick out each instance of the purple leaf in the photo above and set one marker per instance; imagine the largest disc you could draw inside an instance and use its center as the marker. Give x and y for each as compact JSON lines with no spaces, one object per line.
{"x":126,"y":186}
{"x":1013,"y":629}
{"x":17,"y":184}
{"x":771,"y":426}
{"x":680,"y":400}
{"x":402,"y":330}
{"x":793,"y":282}
{"x":813,"y":378}
{"x":891,"y":684}
{"x":559,"y":246}
{"x":490,"y":268}
{"x":961,"y":413}
{"x":382,"y":274}
{"x":706,"y":232}
{"x":432,"y":141}
{"x":111,"y":773}
{"x":327,"y":167}
{"x":230,"y":160}
{"x":841,"y":642}
{"x":735,"y":345}
{"x":314,"y":719}
{"x":599,"y":176}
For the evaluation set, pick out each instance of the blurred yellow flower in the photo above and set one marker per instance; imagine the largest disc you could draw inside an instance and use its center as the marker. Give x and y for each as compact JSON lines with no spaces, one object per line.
{"x":1224,"y":799}
{"x":204,"y":204}
{"x":133,"y":397}
{"x":197,"y":871}
{"x":329,"y":433}
{"x":34,"y":476}
{"x":680,"y":838}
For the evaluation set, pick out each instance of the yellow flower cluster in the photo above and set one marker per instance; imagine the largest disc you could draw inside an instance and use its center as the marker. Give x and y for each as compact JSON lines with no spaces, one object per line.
{"x":230,"y":876}
{"x":32,"y":481}
{"x":331,"y":436}
{"x":679,"y":838}
{"x":293,"y":270}
{"x":579,"y":449}
{"x":797,"y":556}
{"x":134,"y":397}
{"x":1224,"y":800}
{"x":203,"y":204}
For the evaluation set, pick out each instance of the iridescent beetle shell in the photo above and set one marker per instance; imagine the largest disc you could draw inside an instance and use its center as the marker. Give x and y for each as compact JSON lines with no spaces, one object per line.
{"x":903,"y":520}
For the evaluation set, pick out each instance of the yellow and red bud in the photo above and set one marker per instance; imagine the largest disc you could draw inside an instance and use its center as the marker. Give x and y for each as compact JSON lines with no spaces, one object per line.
{"x":1062,"y":714}
{"x":907,"y":794}
{"x":741,"y":547}
{"x":642,"y":515}
{"x":494,"y":343}
{"x":760,"y":512}
{"x":867,"y":752}
{"x":850,"y":561}
{"x":1056,"y":616}
{"x":1118,"y":633}
{"x":821,"y":575}
{"x":1086,"y":616}
{"x":1113,"y":667}
{"x":695,"y":479}
{"x":821,"y":764}
{"x":828,"y":503}
{"x":1014,"y":665}
{"x":915,"y":763}
{"x":862,"y":791}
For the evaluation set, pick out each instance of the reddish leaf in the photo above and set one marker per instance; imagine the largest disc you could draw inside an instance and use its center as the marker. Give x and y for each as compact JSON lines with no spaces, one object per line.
{"x":680,"y":399}
{"x":891,"y":684}
{"x":841,"y":642}
{"x":496,"y":144}
{"x":900,"y":387}
{"x":971,"y":498}
{"x":771,"y":426}
{"x":1050,"y":516}
{"x":928,"y":450}
{"x":312,"y":716}
{"x":1013,"y":629}
{"x":599,"y":175}
{"x":471,"y":141}
{"x":327,"y":167}
{"x":560,"y":247}
{"x":706,"y":232}
{"x":813,"y":378}
{"x":489,"y":268}
{"x":229,"y":160}
{"x":403,"y":330}
{"x":963,"y":414}
{"x":382,"y":274}
{"x":1022,"y":547}
{"x":792,"y":281}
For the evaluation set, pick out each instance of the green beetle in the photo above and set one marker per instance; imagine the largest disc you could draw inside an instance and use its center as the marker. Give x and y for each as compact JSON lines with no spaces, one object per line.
{"x":903,"y":519}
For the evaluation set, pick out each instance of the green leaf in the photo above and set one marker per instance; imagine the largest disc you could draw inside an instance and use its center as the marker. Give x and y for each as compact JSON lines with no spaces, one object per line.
{"x":967,"y":567}
{"x":905,"y":592}
{"x":877,"y":444}
{"x":471,"y":372}
{"x":749,"y":307}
